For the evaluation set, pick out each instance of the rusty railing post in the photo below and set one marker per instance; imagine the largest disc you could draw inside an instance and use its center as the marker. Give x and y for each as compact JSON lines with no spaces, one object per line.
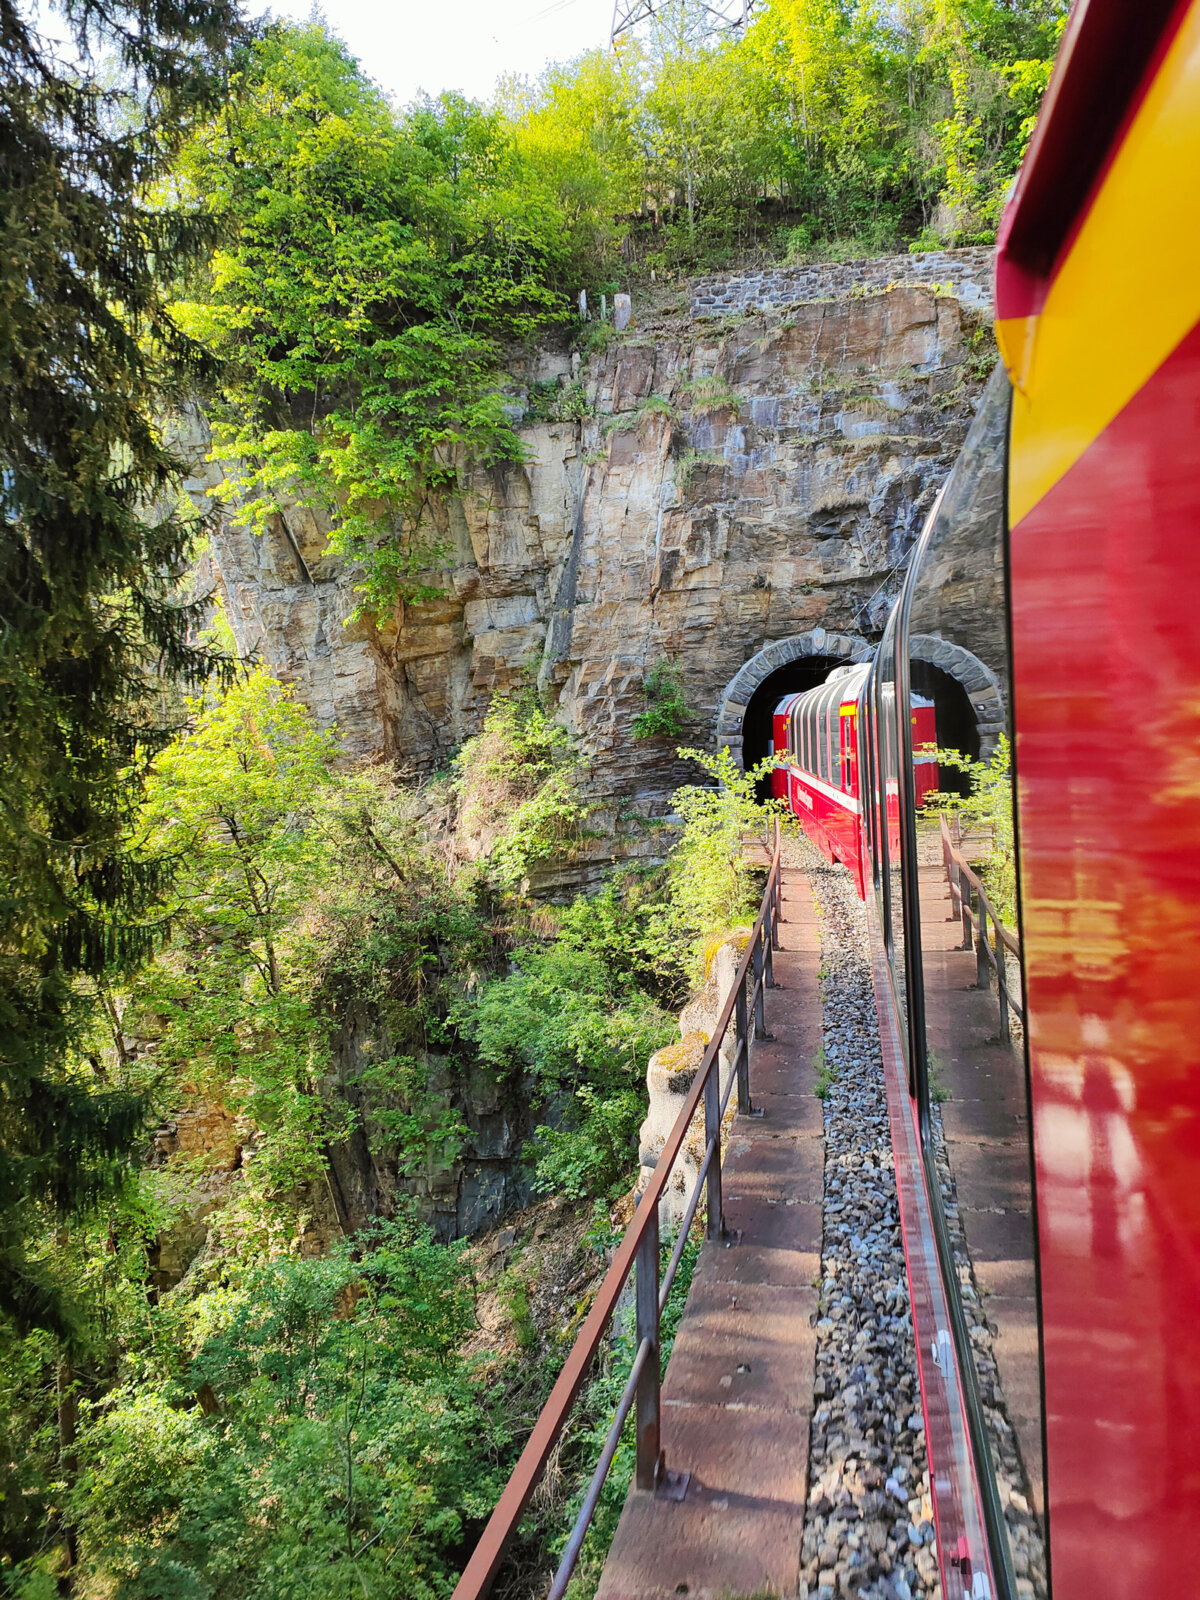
{"x":649,"y":1448}
{"x":1002,"y":985}
{"x":757,"y":968}
{"x":769,"y":949}
{"x":715,"y":1224}
{"x":777,"y":898}
{"x":983,"y":977}
{"x":742,"y":1051}
{"x":964,"y":902}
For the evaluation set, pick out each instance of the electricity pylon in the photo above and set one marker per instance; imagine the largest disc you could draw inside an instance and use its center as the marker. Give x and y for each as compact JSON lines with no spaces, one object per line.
{"x":706,"y":20}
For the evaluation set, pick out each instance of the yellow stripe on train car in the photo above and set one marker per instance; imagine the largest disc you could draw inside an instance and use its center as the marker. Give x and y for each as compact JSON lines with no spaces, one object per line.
{"x":1127,"y":293}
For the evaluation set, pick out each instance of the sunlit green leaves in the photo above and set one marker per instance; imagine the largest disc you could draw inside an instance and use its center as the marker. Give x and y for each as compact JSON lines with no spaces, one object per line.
{"x":343,"y":1443}
{"x":373,"y":263}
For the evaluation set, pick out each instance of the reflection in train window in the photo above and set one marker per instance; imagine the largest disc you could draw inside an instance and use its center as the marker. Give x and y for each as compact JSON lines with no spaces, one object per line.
{"x":889,"y":754}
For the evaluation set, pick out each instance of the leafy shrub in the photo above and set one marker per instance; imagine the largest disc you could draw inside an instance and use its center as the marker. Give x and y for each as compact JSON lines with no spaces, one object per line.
{"x":518,"y":788}
{"x":576,"y":1023}
{"x":988,"y":810}
{"x":666,"y":714}
{"x":552,"y":400}
{"x":594,"y":1155}
{"x":713,"y":886}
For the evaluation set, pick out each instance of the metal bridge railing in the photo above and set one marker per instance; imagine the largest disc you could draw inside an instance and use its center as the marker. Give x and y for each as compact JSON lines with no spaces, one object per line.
{"x":640,"y":1248}
{"x":978,"y":914}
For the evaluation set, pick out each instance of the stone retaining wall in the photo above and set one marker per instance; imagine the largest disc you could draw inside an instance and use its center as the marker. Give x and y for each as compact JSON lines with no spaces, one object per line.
{"x":967,"y":271}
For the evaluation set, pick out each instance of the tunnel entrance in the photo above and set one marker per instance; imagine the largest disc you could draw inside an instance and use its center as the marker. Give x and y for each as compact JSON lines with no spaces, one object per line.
{"x":757,"y":729}
{"x":953,"y":717}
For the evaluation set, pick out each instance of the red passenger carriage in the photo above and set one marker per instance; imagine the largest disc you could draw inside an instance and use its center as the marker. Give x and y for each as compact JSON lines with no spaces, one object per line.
{"x":816,"y":734}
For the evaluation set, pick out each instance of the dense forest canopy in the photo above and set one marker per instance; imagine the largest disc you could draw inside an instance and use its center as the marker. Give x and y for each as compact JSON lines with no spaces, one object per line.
{"x":852,"y":126}
{"x":197,"y":887}
{"x":92,"y":547}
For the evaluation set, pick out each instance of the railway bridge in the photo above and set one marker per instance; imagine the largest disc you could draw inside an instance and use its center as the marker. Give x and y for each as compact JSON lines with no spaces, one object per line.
{"x":781,"y":1449}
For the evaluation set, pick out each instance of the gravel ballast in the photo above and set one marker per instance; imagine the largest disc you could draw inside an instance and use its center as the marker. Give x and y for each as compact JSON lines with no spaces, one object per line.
{"x":868,"y":1527}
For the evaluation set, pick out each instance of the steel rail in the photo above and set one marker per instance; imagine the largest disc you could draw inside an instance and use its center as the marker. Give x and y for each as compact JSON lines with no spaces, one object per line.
{"x":485,"y":1561}
{"x":685,"y":1226}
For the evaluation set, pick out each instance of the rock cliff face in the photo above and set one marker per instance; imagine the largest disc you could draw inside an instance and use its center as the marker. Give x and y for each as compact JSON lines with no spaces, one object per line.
{"x":740,"y":498}
{"x":739,"y":486}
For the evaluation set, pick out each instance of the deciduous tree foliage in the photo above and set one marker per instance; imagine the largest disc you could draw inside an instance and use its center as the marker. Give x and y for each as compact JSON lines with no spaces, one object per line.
{"x":372,"y":263}
{"x":377,"y":264}
{"x":91,"y":549}
{"x":832,"y":124}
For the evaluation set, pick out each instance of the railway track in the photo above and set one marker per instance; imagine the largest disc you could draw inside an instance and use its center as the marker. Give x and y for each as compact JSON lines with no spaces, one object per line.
{"x":868,"y":1526}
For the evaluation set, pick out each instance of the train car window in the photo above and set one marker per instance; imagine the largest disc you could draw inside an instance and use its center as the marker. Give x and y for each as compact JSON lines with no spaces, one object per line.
{"x":879,"y":863}
{"x":866,"y":775}
{"x":815,"y":727}
{"x":966,"y":1032}
{"x":831,"y":703}
{"x":871,"y":797}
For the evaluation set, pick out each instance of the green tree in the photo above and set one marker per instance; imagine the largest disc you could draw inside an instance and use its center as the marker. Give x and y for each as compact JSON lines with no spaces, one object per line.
{"x":92,"y":547}
{"x":340,"y":1448}
{"x":231,"y":800}
{"x":235,"y":802}
{"x":579,"y":128}
{"x":373,"y":264}
{"x":712,"y":884}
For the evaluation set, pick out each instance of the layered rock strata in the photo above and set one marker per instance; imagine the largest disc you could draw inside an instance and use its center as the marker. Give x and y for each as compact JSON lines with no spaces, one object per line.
{"x":733,"y":487}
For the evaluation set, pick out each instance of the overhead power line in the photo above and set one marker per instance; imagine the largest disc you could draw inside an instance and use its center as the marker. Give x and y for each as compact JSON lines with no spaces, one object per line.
{"x":711,"y":20}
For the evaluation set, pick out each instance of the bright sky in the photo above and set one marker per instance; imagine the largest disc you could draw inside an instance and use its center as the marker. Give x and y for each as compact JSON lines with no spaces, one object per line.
{"x":410,"y":45}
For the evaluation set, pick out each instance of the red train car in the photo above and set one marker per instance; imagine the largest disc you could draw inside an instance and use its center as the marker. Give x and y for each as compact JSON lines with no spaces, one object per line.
{"x":819,"y":781}
{"x":1051,"y":1204}
{"x":1098,"y":307}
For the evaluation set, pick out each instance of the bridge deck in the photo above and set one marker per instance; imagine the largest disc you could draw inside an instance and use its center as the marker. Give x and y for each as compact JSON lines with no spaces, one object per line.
{"x":737,"y":1396}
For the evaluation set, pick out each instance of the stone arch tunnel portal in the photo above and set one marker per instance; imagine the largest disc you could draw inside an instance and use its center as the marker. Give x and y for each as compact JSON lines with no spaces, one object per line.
{"x":783,"y":667}
{"x":968,"y":698}
{"x":757,"y":730}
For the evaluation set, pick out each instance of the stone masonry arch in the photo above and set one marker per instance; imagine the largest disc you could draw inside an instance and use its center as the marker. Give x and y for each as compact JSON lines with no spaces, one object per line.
{"x":981,"y":684}
{"x":732,"y":706}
